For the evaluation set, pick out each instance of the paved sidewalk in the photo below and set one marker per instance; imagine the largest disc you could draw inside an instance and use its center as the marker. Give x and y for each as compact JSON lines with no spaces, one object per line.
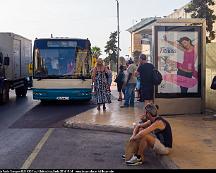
{"x":194,"y":141}
{"x":194,"y":136}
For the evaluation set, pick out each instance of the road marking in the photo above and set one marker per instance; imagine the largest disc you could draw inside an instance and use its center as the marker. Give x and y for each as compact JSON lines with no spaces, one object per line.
{"x":37,"y":149}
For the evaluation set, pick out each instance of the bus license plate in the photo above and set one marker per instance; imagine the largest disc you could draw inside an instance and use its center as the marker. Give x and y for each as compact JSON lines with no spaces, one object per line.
{"x":62,"y":98}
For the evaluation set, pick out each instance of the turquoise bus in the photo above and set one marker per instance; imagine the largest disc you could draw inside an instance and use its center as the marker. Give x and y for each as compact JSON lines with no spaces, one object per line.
{"x":62,"y":69}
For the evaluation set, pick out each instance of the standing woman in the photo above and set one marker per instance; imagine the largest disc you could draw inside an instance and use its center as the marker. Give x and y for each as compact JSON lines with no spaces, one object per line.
{"x":101,"y":86}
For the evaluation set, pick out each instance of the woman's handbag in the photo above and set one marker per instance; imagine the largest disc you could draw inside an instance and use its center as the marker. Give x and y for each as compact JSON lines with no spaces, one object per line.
{"x":119,"y":78}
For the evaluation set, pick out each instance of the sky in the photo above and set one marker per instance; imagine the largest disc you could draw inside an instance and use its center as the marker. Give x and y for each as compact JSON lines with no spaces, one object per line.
{"x":92,"y":19}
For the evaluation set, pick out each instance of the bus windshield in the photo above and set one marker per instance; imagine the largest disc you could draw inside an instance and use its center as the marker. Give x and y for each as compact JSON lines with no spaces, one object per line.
{"x":61,"y":62}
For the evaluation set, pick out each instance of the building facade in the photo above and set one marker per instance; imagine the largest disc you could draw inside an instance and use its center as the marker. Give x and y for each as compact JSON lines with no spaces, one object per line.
{"x":141,"y":36}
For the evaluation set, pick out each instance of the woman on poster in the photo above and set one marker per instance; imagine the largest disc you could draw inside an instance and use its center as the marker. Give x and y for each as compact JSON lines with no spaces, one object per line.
{"x":186,"y":70}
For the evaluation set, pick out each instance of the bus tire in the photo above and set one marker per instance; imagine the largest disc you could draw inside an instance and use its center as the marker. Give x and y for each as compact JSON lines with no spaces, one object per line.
{"x":87,"y":100}
{"x":43,"y":101}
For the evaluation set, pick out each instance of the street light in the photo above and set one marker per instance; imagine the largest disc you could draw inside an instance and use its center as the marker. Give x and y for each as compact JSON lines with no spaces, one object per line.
{"x":117,"y":32}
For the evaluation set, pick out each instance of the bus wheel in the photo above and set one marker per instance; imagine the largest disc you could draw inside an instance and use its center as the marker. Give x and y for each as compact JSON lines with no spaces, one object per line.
{"x":43,"y":101}
{"x":87,"y":100}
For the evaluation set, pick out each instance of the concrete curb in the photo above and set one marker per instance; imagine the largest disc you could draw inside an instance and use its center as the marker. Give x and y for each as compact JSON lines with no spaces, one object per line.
{"x":164,"y":160}
{"x":98,"y":127}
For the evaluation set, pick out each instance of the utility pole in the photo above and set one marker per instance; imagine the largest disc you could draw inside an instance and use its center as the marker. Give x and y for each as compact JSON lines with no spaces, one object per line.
{"x":118,"y":34}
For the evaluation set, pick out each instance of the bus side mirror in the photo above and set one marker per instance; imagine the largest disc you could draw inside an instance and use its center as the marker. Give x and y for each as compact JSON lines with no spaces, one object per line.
{"x":30,"y":69}
{"x":6,"y":60}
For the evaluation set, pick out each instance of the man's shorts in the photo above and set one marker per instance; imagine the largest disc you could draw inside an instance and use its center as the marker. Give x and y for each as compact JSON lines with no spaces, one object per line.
{"x":119,"y":86}
{"x":159,"y":148}
{"x":147,"y":92}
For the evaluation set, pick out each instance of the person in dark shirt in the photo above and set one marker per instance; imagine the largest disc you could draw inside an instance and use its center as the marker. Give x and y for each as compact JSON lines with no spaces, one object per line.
{"x":155,"y":132}
{"x":120,"y":81}
{"x":145,"y":71}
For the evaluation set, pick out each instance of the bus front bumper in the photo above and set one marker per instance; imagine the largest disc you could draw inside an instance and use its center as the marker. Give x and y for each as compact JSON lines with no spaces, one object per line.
{"x":62,"y":94}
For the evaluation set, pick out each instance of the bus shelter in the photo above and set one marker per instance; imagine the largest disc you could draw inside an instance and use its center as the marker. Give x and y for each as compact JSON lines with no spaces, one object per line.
{"x":179,"y":54}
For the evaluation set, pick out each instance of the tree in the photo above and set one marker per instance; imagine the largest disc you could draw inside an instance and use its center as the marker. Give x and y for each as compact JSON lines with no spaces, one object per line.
{"x":200,"y":9}
{"x":111,"y":50}
{"x":96,"y":51}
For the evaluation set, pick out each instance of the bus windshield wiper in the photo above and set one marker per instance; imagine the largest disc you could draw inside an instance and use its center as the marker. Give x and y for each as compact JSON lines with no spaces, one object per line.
{"x":54,"y":76}
{"x":70,"y":76}
{"x":82,"y":77}
{"x":40,"y":76}
{"x":67,"y":76}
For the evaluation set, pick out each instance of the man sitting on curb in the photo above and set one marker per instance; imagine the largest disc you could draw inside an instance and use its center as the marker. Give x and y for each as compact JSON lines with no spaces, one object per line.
{"x":155,"y":133}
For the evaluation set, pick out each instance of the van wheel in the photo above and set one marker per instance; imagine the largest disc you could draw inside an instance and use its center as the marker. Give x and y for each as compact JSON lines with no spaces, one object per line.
{"x":4,"y":96}
{"x":21,"y":92}
{"x":24,"y":91}
{"x":18,"y":92}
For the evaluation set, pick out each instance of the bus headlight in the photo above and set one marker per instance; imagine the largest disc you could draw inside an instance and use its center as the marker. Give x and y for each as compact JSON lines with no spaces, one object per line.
{"x":84,"y":93}
{"x":39,"y":93}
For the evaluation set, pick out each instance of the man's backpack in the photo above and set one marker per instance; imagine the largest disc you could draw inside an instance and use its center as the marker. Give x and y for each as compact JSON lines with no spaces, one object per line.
{"x":213,"y":85}
{"x":157,"y":77}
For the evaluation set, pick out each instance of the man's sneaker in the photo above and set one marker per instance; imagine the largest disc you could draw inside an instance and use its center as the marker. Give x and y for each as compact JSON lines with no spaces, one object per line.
{"x":123,"y":156}
{"x":134,"y":161}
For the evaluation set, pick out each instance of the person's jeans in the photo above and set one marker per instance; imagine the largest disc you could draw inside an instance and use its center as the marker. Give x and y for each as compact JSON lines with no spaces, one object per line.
{"x":129,"y":94}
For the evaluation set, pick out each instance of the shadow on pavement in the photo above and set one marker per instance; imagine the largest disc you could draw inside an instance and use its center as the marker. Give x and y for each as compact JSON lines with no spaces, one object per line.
{"x":51,"y":114}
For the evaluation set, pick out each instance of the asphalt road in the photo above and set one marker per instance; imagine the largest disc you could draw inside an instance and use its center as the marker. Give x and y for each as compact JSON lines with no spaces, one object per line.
{"x":32,"y":136}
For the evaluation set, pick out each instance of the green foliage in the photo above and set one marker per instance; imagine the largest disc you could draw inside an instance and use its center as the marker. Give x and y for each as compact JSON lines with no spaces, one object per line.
{"x":111,"y":51}
{"x":112,"y":64}
{"x":96,"y":51}
{"x":106,"y":61}
{"x":111,"y":48}
{"x":200,"y":9}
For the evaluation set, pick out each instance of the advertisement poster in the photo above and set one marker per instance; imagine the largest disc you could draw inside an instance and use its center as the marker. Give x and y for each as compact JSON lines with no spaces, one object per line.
{"x":178,"y":61}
